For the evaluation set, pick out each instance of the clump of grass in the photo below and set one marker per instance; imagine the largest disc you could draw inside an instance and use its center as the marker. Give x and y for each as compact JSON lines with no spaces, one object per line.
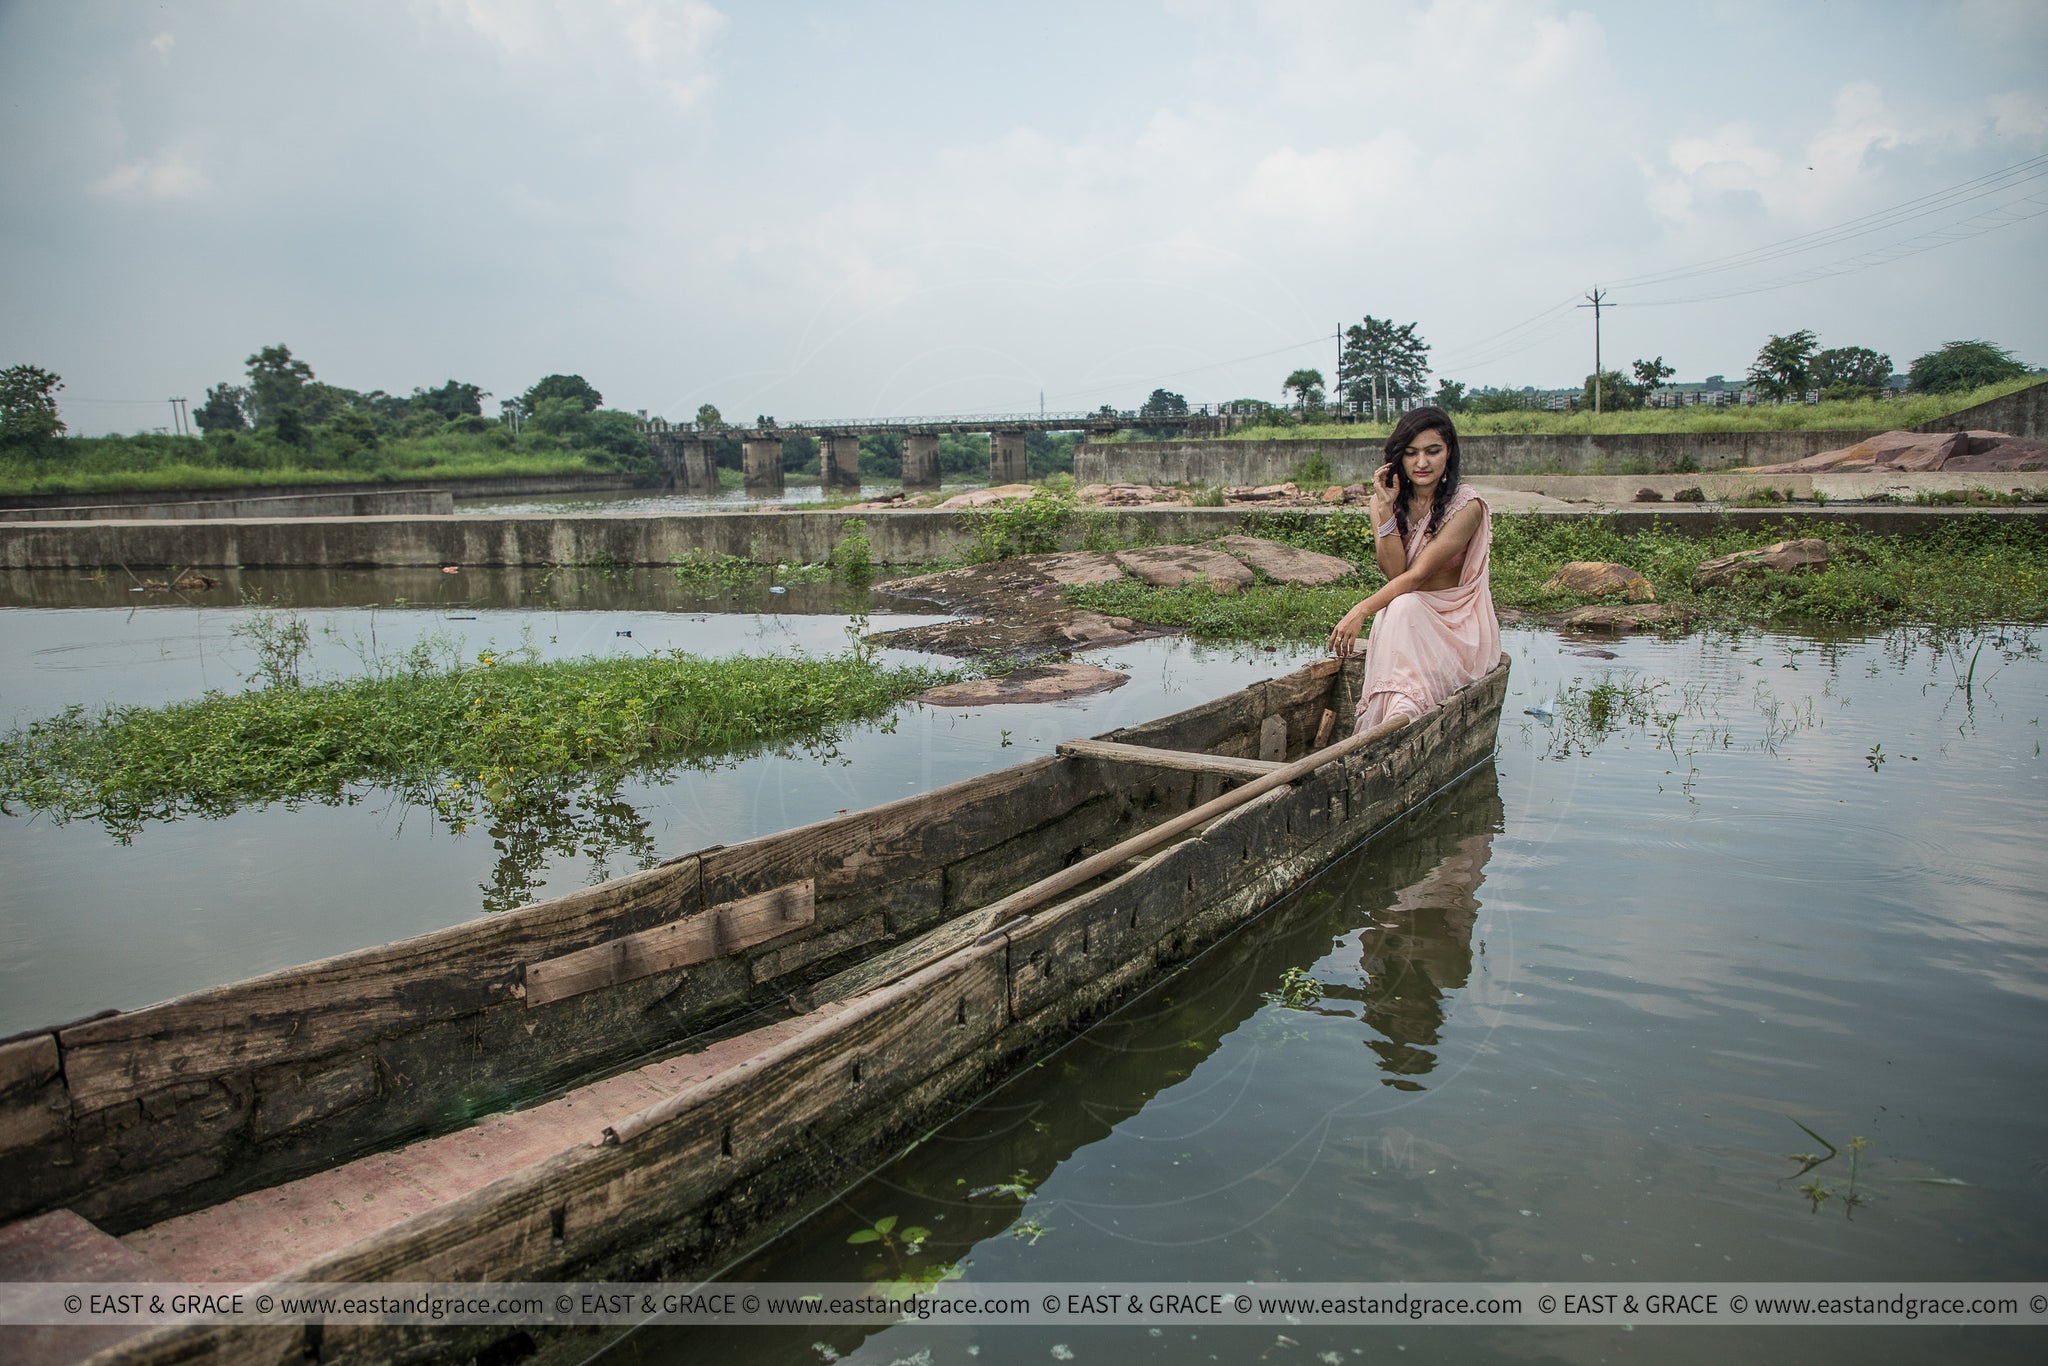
{"x":1972,"y":571}
{"x":494,"y":736}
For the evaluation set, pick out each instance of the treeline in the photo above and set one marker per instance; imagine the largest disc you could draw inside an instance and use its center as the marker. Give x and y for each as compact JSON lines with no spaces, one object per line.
{"x":283,"y":415}
{"x":1384,"y":369}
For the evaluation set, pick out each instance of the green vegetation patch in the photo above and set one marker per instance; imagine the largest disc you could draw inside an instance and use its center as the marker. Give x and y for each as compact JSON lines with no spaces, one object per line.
{"x":493,"y":737}
{"x":1970,"y":571}
{"x":1863,"y":414}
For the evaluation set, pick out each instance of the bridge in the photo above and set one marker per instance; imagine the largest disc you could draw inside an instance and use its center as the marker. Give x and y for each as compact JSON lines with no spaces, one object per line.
{"x":683,"y":452}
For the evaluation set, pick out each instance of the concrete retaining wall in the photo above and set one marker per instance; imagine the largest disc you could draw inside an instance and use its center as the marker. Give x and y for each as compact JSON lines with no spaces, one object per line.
{"x":509,"y":487}
{"x":2022,"y":414}
{"x":1269,"y":462}
{"x":380,"y":503}
{"x":897,"y":538}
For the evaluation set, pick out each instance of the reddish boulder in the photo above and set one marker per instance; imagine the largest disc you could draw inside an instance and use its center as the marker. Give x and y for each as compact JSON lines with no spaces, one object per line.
{"x":1170,"y":566}
{"x":1040,"y":683}
{"x":1806,"y":556}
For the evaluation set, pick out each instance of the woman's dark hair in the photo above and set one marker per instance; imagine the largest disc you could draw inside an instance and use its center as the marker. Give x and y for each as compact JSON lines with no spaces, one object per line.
{"x":1413,"y":424}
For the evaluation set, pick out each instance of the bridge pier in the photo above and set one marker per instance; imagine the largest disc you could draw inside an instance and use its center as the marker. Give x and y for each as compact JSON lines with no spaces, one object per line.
{"x":764,"y":465}
{"x":684,"y":461}
{"x":920,"y":461}
{"x":839,"y":461}
{"x":1007,"y":461}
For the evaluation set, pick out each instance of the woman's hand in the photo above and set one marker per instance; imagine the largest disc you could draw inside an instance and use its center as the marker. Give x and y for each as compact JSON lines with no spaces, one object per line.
{"x":1384,"y":494}
{"x":1344,"y":635}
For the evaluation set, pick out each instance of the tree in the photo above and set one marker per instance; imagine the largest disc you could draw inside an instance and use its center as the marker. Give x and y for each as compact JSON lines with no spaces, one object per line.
{"x":1165,"y":404}
{"x":1784,"y":367}
{"x":561,"y":416}
{"x":451,"y":400}
{"x":1307,"y":388}
{"x":277,"y":385}
{"x":1651,"y":374}
{"x":1616,"y":393}
{"x":222,"y":411}
{"x":28,"y":407}
{"x":1382,"y":366}
{"x":1962,"y":365}
{"x":709,"y":418}
{"x":1449,"y":396}
{"x":561,"y":386}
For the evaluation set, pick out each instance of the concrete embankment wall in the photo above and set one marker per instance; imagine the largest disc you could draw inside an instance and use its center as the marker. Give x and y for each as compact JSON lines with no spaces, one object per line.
{"x":2020,"y":414}
{"x":378,"y":503}
{"x":511,"y":486}
{"x":1269,"y":462}
{"x":897,"y":538}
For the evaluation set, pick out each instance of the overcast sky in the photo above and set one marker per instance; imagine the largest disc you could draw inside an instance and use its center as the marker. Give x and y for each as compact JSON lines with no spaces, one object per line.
{"x":817,"y":210}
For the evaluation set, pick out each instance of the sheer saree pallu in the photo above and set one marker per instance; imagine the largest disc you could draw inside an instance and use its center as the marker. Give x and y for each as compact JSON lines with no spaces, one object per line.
{"x":1425,"y":646}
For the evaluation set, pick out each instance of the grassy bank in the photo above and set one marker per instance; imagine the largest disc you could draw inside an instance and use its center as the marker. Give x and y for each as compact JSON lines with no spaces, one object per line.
{"x":1857,"y":415}
{"x":87,"y":465}
{"x":1974,"y":571}
{"x":474,"y":742}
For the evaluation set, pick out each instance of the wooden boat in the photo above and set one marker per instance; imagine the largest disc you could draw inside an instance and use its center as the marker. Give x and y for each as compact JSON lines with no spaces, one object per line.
{"x":642,"y":1078}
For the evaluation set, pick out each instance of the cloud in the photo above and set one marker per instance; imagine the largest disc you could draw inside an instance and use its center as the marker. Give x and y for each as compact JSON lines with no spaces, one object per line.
{"x":171,"y":175}
{"x":669,"y":41}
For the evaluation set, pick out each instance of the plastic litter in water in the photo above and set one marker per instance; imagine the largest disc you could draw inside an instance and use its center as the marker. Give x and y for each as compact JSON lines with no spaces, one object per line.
{"x":1540,"y":712}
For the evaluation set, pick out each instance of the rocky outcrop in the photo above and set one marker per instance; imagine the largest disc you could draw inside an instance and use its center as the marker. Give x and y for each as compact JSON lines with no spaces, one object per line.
{"x":1038,"y":683}
{"x":1171,"y":566}
{"x":974,"y":498}
{"x":1921,"y":452}
{"x":1601,"y":579}
{"x":1806,"y":556}
{"x":1602,"y":616}
{"x":1286,"y":563}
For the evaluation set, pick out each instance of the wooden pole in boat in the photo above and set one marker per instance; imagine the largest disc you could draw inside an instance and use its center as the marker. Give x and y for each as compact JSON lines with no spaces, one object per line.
{"x":1018,"y":906}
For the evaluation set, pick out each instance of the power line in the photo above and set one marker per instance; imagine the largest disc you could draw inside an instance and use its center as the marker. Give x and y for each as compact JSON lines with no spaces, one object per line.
{"x":1969,"y":191}
{"x":1898,"y":251}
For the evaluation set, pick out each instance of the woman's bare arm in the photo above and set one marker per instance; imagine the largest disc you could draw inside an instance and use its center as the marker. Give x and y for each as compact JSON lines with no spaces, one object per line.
{"x":1449,"y":543}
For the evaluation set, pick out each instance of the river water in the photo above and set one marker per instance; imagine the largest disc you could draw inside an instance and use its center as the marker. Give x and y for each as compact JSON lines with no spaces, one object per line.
{"x":1571,"y":1017}
{"x":88,"y":922}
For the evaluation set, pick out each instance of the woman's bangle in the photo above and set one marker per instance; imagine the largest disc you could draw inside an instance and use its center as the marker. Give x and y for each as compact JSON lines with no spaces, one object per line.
{"x":1388,"y":527}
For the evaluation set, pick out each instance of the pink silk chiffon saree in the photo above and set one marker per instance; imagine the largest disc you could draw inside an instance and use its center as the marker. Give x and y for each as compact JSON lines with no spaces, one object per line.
{"x":1425,"y":646}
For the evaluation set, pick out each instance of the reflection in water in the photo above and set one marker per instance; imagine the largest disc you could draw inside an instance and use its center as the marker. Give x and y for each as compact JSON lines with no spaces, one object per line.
{"x":1157,"y":1097}
{"x":1417,"y":953}
{"x":592,"y":820}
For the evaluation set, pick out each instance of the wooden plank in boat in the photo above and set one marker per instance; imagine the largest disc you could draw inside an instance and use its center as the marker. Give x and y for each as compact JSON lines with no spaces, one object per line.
{"x":1168,"y":758}
{"x":314,"y":1009}
{"x":697,"y":938}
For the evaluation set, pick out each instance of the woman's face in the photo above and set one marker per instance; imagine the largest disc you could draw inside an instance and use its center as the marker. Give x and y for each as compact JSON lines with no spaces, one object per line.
{"x":1424,"y":460}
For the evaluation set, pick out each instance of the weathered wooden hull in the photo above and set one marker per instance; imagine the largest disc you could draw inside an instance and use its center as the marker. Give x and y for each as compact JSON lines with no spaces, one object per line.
{"x":677,"y":1187}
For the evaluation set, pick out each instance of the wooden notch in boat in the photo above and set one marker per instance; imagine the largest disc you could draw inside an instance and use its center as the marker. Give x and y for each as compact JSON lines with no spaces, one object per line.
{"x":695,"y":938}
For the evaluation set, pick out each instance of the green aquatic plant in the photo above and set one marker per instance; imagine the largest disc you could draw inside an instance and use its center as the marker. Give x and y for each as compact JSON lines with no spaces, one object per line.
{"x":501,"y":735}
{"x":1816,"y":1191}
{"x":1298,"y":989}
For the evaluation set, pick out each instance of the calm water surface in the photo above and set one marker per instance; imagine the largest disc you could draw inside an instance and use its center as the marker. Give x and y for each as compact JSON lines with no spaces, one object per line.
{"x":640,"y":501}
{"x":87,"y":922}
{"x":1570,"y":1014}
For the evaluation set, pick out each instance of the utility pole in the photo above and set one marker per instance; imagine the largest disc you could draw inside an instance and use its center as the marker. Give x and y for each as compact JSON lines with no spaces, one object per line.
{"x":1337,"y":376}
{"x":1596,"y":296}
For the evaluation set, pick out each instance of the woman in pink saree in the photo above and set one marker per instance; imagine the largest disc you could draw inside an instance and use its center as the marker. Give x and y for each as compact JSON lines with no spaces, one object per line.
{"x":1435,"y":628}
